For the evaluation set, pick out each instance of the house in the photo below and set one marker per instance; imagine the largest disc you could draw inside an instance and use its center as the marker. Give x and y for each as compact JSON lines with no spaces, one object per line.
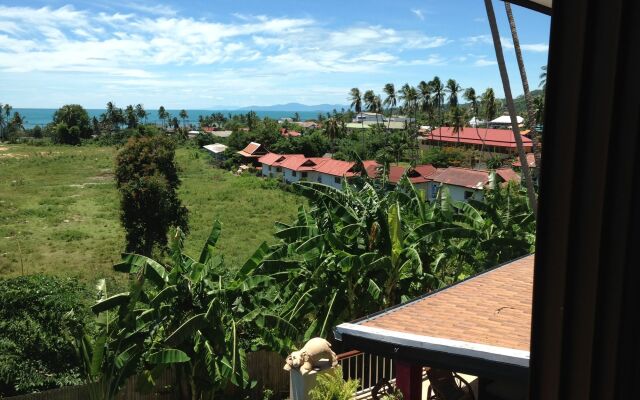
{"x":217,"y":150}
{"x":308,"y":124}
{"x":504,"y":122}
{"x":494,"y":140}
{"x":253,"y":152}
{"x":221,"y":134}
{"x":531,"y":161}
{"x":419,"y":176}
{"x":192,"y":134}
{"x":293,"y":168}
{"x":480,"y":326}
{"x":372,"y":168}
{"x":369,"y":117}
{"x":287,"y":133}
{"x":464,"y":183}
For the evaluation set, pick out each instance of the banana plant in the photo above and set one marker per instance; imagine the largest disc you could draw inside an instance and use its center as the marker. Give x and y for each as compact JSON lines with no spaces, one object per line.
{"x":192,"y":315}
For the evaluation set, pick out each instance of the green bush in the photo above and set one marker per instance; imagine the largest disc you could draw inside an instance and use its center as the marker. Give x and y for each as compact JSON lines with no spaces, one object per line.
{"x":40,"y":317}
{"x":331,"y":386}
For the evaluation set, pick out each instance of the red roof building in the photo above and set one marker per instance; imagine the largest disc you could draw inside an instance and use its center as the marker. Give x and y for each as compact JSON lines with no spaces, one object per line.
{"x":417,"y":174}
{"x":287,"y":133}
{"x":531,"y":160}
{"x":499,"y":140}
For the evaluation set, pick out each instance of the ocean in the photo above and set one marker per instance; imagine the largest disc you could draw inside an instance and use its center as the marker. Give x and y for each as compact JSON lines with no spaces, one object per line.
{"x":43,"y":116}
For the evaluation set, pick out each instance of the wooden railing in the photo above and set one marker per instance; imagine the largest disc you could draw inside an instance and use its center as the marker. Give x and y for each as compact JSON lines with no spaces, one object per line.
{"x":368,"y":369}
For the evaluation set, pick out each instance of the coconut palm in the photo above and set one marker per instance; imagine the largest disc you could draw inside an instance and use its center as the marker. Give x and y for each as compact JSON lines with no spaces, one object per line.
{"x":543,"y":78}
{"x":369,"y":98}
{"x":356,"y":101}
{"x":457,"y":119}
{"x":131,"y":116}
{"x":474,"y":104}
{"x":183,"y":115}
{"x":3,"y":122}
{"x":438,"y":93}
{"x":453,"y":88}
{"x":390,"y":101}
{"x":162,"y":114}
{"x":425,"y":97}
{"x":532,"y":122}
{"x":141,"y":113}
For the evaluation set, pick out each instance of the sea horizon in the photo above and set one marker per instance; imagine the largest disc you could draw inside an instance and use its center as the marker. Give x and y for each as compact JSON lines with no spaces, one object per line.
{"x":44,"y":116}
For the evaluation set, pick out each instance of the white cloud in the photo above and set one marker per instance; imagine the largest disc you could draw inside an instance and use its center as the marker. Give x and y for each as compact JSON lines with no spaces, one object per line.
{"x":506,"y":43}
{"x":482,"y":62}
{"x":418,"y":13}
{"x":157,"y":9}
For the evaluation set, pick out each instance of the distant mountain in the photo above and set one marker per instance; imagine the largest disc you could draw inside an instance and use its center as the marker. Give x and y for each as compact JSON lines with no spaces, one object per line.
{"x":296,"y":107}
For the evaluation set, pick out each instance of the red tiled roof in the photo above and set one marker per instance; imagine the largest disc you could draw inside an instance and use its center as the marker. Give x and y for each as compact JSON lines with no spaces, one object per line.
{"x":286,"y":132}
{"x":493,"y":308}
{"x":253,"y":150}
{"x":298,"y":163}
{"x":492,"y":137}
{"x":531,"y":160}
{"x":508,"y":174}
{"x":465,"y":177}
{"x":418,"y":174}
{"x":275,"y":159}
{"x":335,"y":167}
{"x":371,"y":168}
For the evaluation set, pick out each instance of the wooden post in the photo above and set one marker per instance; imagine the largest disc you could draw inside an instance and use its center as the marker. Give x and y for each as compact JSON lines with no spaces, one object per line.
{"x":408,"y":379}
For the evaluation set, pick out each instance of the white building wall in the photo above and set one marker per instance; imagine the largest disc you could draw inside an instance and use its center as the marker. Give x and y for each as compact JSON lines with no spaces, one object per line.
{"x":288,"y":175}
{"x":330,"y":180}
{"x":265,"y":170}
{"x":457,"y":193}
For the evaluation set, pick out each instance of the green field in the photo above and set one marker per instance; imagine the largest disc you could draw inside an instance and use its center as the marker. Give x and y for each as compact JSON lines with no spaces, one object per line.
{"x":59,"y":209}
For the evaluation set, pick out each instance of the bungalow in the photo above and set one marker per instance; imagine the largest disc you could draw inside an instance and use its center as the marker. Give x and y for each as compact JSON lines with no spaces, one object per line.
{"x":419,"y":176}
{"x":494,"y":140}
{"x":308,"y":124}
{"x":504,"y":122}
{"x":464,"y":183}
{"x":217,"y":150}
{"x":480,"y":326}
{"x":252,"y":152}
{"x":296,"y":167}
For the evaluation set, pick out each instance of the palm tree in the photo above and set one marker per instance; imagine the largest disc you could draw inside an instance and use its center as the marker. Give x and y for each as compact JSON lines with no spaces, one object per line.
{"x":141,"y":113}
{"x":543,"y":78}
{"x":3,"y":122}
{"x":162,"y":114}
{"x":489,"y":106}
{"x":131,"y":116}
{"x":457,"y":119}
{"x":369,"y":99}
{"x":437,"y":90}
{"x":390,"y":101}
{"x":425,"y":97}
{"x":183,"y":115}
{"x":356,"y":101}
{"x":453,"y":88}
{"x":532,"y":122}
{"x":470,"y":96}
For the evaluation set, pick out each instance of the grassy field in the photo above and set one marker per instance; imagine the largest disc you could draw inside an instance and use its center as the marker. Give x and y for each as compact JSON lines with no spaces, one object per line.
{"x":59,"y":209}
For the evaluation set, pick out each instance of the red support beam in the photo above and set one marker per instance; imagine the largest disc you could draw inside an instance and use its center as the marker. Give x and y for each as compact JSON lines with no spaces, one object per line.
{"x":409,"y":380}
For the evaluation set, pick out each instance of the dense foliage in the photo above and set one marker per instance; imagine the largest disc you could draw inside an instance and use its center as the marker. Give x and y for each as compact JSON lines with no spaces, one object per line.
{"x":191,"y":314}
{"x":73,"y":115}
{"x":147,"y":178}
{"x":360,"y":250}
{"x":40,"y":317}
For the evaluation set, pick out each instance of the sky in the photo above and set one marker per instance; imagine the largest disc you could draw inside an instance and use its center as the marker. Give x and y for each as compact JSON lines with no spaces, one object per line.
{"x":230,"y":53}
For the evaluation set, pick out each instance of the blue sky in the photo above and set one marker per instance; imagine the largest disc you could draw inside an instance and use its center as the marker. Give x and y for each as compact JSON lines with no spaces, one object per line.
{"x":204,"y":54}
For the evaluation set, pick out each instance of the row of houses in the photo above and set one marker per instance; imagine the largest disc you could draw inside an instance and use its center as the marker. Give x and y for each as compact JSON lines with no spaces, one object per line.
{"x":462,"y":183}
{"x":493,"y":140}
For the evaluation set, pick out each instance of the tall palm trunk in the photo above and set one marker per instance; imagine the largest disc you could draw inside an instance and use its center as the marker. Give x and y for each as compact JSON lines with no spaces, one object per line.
{"x":525,"y":86}
{"x":533,"y":202}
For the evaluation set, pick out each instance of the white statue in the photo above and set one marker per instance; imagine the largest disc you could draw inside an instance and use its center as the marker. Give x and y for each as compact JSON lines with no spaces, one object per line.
{"x":316,"y":354}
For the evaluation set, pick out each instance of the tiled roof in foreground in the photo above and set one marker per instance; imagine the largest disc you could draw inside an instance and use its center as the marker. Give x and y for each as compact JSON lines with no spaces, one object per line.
{"x":493,"y":308}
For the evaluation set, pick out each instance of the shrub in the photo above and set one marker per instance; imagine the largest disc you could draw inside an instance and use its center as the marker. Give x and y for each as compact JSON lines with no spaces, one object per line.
{"x":331,"y":386}
{"x":40,"y":317}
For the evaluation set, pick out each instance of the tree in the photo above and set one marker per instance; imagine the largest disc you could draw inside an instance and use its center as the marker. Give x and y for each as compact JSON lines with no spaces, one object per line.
{"x":141,"y":113}
{"x":40,"y":316}
{"x":296,"y":116}
{"x":490,"y":107}
{"x":425,"y":97}
{"x":62,"y":134}
{"x":17,"y":121}
{"x":162,"y":114}
{"x":457,"y":118}
{"x":470,"y":96}
{"x":532,"y":122}
{"x":390,"y":101}
{"x":193,"y":315}
{"x":147,"y":178}
{"x":74,"y":115}
{"x":356,"y":100}
{"x":437,"y":90}
{"x":369,"y":99}
{"x":4,"y":119}
{"x":184,"y":116}
{"x":453,"y":88}
{"x":131,"y":117}
{"x":543,"y":78}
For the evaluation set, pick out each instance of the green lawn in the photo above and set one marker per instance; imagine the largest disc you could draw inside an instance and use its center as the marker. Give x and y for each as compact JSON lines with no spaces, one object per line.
{"x":59,"y":209}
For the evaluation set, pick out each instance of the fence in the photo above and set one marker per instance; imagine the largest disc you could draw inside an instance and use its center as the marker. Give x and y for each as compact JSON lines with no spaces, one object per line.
{"x":263,"y":366}
{"x":368,"y":369}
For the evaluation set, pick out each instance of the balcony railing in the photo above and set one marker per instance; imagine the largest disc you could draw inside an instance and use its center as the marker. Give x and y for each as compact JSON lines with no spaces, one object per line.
{"x":368,"y":369}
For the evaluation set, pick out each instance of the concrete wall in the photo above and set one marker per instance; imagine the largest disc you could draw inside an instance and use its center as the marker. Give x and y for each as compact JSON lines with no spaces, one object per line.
{"x":457,"y":193}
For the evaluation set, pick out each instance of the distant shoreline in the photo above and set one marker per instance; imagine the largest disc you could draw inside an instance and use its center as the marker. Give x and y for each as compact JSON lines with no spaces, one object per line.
{"x":43,"y":116}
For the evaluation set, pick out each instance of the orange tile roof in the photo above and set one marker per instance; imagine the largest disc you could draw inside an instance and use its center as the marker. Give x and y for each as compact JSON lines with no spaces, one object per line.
{"x":418,"y":174}
{"x":492,"y":308}
{"x":371,"y":167}
{"x":335,"y":167}
{"x":508,"y":174}
{"x":531,"y":160}
{"x":253,"y":150}
{"x":491,"y":137}
{"x":464,"y":177}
